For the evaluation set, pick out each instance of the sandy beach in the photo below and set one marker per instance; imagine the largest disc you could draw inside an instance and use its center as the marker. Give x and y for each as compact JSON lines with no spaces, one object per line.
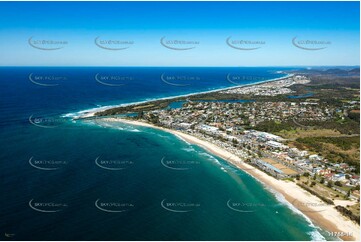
{"x":323,"y":215}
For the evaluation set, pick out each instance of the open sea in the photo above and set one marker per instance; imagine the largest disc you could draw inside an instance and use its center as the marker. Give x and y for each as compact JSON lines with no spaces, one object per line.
{"x":90,"y":180}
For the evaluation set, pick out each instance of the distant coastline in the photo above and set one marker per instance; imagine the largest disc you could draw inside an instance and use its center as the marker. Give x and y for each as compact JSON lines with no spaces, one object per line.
{"x":88,"y":113}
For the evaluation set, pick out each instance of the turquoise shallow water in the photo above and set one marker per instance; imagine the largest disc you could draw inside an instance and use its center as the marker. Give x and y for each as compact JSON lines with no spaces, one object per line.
{"x":89,"y":180}
{"x":200,"y":184}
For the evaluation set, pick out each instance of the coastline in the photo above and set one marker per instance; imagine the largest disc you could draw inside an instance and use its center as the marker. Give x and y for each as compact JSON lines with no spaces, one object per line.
{"x":88,"y":113}
{"x":327,"y":217}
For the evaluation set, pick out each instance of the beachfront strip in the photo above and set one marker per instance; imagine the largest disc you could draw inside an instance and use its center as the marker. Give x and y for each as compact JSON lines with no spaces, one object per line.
{"x":235,"y":126}
{"x":221,"y":123}
{"x":265,"y":150}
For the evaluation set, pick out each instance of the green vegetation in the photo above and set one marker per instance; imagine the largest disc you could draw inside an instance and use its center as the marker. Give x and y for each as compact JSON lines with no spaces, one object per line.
{"x":348,"y":213}
{"x":326,"y":200}
{"x":331,"y":84}
{"x":345,"y":143}
{"x":154,"y":119}
{"x":319,"y":187}
{"x":355,"y":209}
{"x":344,"y":126}
{"x":306,"y":174}
{"x":354,"y":115}
{"x":137,"y":108}
{"x":336,"y":149}
{"x":274,"y":127}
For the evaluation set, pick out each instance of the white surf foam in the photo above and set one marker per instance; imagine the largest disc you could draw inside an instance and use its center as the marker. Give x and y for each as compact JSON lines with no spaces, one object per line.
{"x":315,"y":234}
{"x":85,"y":113}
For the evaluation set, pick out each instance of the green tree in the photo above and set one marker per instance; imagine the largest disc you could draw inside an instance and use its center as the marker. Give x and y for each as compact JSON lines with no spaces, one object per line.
{"x":234,"y":142}
{"x":348,"y":193}
{"x":140,"y":115}
{"x":259,"y":154}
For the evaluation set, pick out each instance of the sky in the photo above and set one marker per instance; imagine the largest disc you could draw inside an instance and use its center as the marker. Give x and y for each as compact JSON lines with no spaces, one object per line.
{"x":179,"y":33}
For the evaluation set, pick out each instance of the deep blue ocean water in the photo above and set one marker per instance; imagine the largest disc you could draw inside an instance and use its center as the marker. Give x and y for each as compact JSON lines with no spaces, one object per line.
{"x":90,"y":180}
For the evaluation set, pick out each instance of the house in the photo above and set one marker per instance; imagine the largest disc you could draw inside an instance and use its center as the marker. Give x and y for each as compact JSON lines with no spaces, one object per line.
{"x":315,"y":157}
{"x":339,"y":177}
{"x":208,"y":129}
{"x":275,"y":144}
{"x":323,"y":172}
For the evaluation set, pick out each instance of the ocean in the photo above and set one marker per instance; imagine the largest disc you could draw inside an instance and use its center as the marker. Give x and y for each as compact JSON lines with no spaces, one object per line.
{"x":92,"y":180}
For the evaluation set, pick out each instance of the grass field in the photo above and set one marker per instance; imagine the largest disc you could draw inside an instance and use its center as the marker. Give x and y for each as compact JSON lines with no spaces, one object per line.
{"x":303,"y":133}
{"x":323,"y":190}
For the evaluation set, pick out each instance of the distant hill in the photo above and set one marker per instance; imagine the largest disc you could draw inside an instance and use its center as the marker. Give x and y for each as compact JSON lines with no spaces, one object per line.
{"x":331,"y":71}
{"x":355,"y":71}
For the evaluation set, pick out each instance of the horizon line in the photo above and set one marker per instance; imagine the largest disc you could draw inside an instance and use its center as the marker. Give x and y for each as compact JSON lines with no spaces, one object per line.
{"x":356,"y":65}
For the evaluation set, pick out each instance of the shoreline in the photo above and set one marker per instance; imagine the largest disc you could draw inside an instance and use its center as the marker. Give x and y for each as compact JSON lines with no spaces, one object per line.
{"x":327,"y":218}
{"x":88,"y":113}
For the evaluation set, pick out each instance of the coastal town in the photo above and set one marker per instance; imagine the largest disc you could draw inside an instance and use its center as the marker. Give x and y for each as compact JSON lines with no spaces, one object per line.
{"x":221,"y":123}
{"x":233,"y":124}
{"x":269,"y":88}
{"x":271,"y":135}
